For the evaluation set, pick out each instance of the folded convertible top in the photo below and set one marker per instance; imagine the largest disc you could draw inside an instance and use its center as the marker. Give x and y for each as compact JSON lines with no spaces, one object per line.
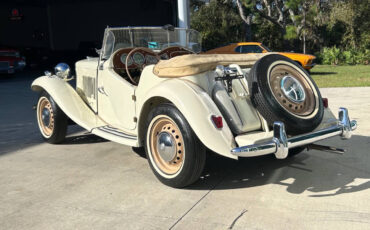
{"x":193,"y":64}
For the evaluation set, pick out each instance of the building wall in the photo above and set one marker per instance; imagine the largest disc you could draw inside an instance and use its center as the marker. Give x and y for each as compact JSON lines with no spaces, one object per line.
{"x":31,"y":30}
{"x":70,"y":25}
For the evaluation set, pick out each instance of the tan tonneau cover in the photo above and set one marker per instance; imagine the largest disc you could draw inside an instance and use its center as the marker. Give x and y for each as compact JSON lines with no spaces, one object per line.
{"x":193,"y":64}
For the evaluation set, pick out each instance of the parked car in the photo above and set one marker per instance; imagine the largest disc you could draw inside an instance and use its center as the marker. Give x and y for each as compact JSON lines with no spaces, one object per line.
{"x":177,"y":108}
{"x":305,"y":60}
{"x":11,"y":61}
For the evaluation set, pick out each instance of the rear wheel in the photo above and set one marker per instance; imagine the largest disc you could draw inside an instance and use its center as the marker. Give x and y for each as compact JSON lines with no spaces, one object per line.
{"x":51,"y":119}
{"x":174,"y":153}
{"x":296,"y":151}
{"x":283,"y":91}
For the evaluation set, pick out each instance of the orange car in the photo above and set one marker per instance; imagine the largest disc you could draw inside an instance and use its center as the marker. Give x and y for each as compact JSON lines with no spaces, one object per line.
{"x":305,"y":60}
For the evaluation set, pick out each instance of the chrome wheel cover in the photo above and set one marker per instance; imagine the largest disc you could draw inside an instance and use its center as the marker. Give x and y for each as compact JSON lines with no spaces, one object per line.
{"x":292,"y":89}
{"x":166,"y":145}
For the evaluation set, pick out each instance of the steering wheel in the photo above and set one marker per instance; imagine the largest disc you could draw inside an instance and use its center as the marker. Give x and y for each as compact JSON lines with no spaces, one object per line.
{"x":145,"y":52}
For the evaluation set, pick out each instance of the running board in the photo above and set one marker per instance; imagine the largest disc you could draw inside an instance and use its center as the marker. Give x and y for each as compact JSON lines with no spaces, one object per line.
{"x":116,"y":135}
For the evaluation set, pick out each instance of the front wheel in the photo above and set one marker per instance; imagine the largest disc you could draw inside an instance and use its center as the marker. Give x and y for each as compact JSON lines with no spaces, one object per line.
{"x":174,"y":152}
{"x":51,"y":119}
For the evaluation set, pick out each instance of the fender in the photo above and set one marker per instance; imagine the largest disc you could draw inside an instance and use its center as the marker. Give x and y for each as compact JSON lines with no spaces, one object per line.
{"x":68,"y":100}
{"x":197,"y":107}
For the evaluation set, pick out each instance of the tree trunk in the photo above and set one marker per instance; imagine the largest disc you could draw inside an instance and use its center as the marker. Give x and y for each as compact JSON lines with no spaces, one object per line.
{"x":304,"y":30}
{"x":247,"y":20}
{"x":248,"y":33}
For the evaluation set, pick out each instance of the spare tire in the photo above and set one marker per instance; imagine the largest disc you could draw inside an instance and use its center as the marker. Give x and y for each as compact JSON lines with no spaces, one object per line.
{"x":283,"y":91}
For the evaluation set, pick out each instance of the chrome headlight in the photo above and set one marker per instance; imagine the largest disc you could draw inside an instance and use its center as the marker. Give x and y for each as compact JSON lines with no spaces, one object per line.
{"x":62,"y":70}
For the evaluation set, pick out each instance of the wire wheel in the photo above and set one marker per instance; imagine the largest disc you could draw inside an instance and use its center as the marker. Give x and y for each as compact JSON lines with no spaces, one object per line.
{"x":45,"y":117}
{"x":167,"y":145}
{"x":292,"y":90}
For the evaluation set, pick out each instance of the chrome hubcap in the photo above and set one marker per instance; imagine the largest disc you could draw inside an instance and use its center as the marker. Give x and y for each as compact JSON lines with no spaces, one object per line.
{"x":292,"y":89}
{"x":45,"y":116}
{"x":166,"y":147}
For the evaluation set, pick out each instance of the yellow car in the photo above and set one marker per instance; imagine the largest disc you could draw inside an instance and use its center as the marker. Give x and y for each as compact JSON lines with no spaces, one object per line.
{"x":305,"y":60}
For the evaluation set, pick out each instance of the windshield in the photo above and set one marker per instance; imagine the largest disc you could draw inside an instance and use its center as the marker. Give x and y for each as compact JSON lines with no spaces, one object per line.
{"x":266,"y":48}
{"x":154,"y":38}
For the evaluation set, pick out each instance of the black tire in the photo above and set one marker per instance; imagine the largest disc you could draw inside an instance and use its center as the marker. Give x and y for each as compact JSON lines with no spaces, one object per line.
{"x":55,"y":131}
{"x":275,"y":105}
{"x":166,"y":119}
{"x":298,"y":63}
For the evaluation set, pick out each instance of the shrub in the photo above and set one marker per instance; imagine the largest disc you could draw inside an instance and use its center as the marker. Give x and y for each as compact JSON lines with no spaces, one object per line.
{"x":331,"y":56}
{"x":336,"y":56}
{"x":349,"y":57}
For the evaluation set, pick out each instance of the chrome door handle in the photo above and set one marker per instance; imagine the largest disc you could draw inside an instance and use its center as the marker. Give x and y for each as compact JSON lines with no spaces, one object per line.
{"x":102,"y":91}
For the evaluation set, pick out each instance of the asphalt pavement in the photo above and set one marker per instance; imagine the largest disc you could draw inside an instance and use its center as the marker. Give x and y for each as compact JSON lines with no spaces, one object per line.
{"x":90,"y":183}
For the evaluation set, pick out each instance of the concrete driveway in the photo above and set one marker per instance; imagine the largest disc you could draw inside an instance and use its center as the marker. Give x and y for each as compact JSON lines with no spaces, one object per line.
{"x":90,"y":183}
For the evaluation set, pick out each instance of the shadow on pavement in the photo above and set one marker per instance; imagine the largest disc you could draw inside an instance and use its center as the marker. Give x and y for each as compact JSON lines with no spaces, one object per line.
{"x":140,"y":151}
{"x":18,"y":137}
{"x":18,"y":127}
{"x":314,"y":171}
{"x":83,"y":139}
{"x":322,"y":73}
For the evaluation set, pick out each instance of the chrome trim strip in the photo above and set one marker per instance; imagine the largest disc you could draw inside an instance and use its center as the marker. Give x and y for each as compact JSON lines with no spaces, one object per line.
{"x":280,"y":144}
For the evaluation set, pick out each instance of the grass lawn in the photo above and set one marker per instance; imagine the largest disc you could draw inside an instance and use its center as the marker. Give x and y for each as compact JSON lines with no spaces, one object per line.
{"x":341,"y":76}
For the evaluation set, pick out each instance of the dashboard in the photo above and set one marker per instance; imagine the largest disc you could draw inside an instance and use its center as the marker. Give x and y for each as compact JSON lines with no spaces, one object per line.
{"x":129,"y":62}
{"x":137,"y":59}
{"x":143,"y":56}
{"x":173,"y":51}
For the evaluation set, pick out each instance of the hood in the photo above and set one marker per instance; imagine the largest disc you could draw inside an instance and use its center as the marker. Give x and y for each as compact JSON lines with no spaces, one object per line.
{"x":88,"y":63}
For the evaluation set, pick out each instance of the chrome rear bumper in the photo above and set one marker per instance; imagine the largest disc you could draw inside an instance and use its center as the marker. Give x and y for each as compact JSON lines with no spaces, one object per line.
{"x":280,"y":143}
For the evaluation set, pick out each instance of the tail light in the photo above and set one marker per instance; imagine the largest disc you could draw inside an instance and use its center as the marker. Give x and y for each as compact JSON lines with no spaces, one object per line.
{"x":217,"y":121}
{"x":325,"y":102}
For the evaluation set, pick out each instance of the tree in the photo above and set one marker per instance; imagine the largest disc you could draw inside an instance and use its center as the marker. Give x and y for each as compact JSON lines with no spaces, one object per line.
{"x":274,"y":11}
{"x":219,"y":23}
{"x":290,"y":16}
{"x":355,"y":15}
{"x":310,"y":25}
{"x":195,"y":5}
{"x":246,"y":19}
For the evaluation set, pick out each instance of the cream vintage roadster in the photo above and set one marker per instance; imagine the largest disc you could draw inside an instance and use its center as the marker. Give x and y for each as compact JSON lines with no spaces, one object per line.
{"x":149,"y":88}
